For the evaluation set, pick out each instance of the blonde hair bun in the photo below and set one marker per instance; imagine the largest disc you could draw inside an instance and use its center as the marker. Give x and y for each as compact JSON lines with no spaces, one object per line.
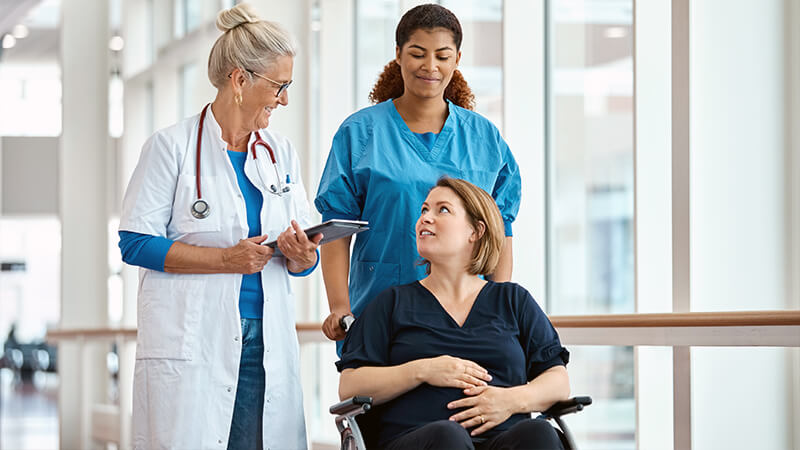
{"x":240,"y":14}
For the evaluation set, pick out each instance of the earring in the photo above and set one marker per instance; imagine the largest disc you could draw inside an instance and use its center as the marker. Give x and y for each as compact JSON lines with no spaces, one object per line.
{"x":238,"y":98}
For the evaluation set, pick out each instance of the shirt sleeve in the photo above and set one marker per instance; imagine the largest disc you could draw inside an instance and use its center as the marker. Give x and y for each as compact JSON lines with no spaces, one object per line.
{"x":307,"y":271}
{"x":144,"y":250}
{"x":368,"y":340}
{"x":147,"y":205}
{"x":338,"y":196}
{"x":507,"y":190}
{"x":539,"y":339}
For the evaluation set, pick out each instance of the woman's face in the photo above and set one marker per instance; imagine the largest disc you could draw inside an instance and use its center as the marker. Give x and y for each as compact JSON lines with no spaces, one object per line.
{"x":258,"y":98}
{"x":427,"y":62}
{"x":443,"y":229}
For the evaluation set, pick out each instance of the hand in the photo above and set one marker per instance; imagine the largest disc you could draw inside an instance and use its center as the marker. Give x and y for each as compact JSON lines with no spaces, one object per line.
{"x":449,"y":371}
{"x":487,"y":407}
{"x":297,"y":247}
{"x":331,"y":327}
{"x":248,"y":256}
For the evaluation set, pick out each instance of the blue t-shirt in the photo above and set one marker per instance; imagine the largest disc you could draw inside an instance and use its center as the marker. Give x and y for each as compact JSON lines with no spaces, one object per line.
{"x":380,"y":171}
{"x":251,"y":294}
{"x":505,"y":332}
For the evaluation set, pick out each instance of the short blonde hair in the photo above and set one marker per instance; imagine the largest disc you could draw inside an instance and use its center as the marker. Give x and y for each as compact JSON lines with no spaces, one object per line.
{"x":480,"y":208}
{"x":247,"y":43}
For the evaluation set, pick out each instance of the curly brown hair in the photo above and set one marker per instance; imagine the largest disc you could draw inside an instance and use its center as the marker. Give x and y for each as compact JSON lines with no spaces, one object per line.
{"x":424,"y":17}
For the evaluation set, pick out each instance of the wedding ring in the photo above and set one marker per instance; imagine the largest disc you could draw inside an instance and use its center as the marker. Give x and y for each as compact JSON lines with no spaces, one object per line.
{"x":482,"y":419}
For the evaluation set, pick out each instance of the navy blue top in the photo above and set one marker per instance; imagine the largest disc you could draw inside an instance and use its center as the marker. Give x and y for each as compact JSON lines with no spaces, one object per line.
{"x":505,"y":332}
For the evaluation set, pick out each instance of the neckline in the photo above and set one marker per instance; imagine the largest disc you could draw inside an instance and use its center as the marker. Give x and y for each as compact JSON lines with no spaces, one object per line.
{"x":441,"y":138}
{"x":443,"y":310}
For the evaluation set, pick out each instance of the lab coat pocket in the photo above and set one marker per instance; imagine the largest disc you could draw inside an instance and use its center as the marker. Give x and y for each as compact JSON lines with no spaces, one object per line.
{"x":169,"y":316}
{"x":185,"y":195}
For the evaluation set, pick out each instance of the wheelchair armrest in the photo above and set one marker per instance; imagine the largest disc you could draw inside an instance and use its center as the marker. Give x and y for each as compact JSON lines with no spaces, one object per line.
{"x":351,"y":405}
{"x":573,"y":405}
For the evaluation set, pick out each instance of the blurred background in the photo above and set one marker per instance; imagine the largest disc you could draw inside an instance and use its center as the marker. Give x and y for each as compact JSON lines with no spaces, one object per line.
{"x":639,"y":127}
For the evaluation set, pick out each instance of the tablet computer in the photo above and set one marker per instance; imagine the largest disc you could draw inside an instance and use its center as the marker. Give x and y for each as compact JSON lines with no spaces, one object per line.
{"x":331,"y":230}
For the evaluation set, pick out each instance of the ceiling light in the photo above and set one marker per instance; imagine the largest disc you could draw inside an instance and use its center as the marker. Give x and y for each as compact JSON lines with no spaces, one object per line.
{"x":20,"y":31}
{"x":9,"y":41}
{"x":116,"y":43}
{"x":615,"y":32}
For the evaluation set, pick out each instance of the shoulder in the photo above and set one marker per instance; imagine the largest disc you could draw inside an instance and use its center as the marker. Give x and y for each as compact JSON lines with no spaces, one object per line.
{"x":174,"y":139}
{"x":387,"y":299}
{"x":366,"y":119}
{"x":513,"y":293}
{"x":182,"y":131}
{"x":475,"y":122}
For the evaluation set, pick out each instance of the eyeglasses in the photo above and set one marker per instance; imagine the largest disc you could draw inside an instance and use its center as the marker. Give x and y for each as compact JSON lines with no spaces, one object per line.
{"x":282,"y":87}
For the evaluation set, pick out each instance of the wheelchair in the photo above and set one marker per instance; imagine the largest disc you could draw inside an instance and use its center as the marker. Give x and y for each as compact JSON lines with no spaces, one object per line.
{"x":358,"y":433}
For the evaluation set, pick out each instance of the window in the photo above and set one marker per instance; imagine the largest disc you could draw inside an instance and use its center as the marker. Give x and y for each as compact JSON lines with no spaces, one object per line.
{"x":590,"y":260}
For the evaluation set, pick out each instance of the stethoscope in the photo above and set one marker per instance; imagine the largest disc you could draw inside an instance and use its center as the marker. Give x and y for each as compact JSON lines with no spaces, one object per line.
{"x":200,"y":208}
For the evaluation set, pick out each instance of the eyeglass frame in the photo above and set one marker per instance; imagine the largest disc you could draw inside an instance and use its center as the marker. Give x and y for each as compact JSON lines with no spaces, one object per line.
{"x":282,"y":87}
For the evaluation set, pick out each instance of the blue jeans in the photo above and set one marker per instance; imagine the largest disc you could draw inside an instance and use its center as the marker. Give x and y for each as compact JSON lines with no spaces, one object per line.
{"x":248,"y":411}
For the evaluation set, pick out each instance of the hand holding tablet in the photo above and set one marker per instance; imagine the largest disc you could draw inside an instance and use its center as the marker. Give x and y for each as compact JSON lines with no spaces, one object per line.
{"x":331,"y":230}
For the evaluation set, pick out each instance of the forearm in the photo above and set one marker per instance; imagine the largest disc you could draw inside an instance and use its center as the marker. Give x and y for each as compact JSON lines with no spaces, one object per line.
{"x":381,"y":383}
{"x":185,"y":258}
{"x":506,"y":263}
{"x":335,"y":259}
{"x":541,"y":392}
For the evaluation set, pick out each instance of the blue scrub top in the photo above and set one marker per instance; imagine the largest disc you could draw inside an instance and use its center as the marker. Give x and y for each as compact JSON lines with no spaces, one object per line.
{"x":378,"y":170}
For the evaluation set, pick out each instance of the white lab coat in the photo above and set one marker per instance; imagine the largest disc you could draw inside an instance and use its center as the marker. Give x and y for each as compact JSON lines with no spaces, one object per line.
{"x":189,"y":338}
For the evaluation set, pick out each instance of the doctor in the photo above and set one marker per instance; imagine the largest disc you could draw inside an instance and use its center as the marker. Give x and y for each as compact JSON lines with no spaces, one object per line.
{"x":217,"y":355}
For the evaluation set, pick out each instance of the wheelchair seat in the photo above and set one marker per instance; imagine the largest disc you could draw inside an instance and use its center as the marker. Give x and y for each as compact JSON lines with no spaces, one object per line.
{"x":358,"y":430}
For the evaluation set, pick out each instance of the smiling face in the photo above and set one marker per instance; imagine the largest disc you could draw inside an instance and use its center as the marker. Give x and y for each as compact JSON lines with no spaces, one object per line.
{"x":258,"y":97}
{"x":427,"y":62}
{"x":444,"y":230}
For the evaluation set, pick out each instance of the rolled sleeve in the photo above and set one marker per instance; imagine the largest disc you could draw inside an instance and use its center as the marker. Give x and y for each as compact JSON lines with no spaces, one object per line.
{"x":507,"y":190}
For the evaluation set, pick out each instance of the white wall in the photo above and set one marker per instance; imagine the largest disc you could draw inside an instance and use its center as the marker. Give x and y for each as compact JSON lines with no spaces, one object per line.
{"x":738,"y":214}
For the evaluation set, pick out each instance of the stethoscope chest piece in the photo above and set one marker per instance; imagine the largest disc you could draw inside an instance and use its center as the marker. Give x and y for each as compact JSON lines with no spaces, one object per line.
{"x":200,"y":209}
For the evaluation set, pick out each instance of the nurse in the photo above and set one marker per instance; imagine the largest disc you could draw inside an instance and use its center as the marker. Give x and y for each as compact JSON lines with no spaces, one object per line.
{"x":217,"y":354}
{"x":384,"y":158}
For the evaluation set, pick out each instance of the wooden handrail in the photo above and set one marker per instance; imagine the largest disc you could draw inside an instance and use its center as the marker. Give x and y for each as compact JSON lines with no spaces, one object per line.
{"x":690,"y":319}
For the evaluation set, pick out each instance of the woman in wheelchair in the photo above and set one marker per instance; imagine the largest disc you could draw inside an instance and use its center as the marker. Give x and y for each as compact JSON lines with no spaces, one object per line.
{"x":455,"y":360}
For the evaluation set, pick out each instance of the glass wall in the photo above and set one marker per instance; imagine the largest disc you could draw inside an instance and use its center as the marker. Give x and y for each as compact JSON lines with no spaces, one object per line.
{"x":482,"y":53}
{"x":590,"y":260}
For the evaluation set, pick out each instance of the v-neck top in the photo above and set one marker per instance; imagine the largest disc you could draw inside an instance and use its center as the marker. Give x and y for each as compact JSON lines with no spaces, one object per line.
{"x":380,"y":171}
{"x":505,"y":332}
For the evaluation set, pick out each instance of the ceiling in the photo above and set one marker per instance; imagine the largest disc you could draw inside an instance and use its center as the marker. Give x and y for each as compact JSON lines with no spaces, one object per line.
{"x":42,"y":19}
